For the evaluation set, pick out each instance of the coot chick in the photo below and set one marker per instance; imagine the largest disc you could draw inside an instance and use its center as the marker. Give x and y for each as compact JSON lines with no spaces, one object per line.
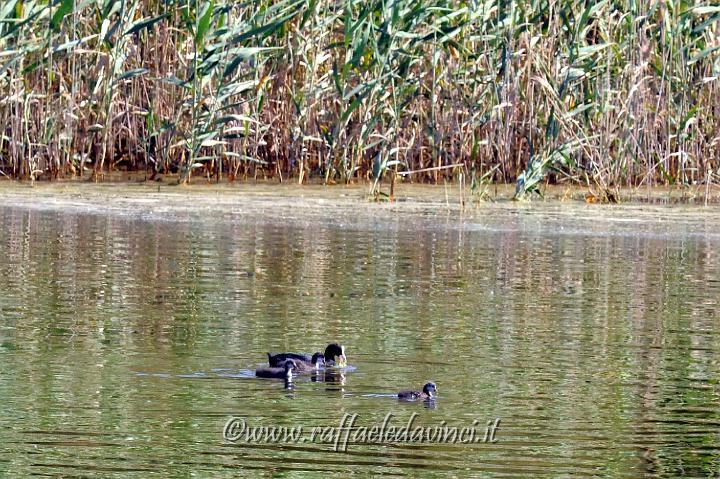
{"x":428,"y":392}
{"x":285,"y":371}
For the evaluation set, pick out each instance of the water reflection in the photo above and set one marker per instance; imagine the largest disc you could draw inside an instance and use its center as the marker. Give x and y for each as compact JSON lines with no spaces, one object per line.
{"x":126,"y":343}
{"x":334,"y":379}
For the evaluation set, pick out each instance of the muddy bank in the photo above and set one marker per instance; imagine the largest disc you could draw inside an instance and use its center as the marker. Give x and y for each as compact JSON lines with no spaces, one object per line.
{"x":422,"y":207}
{"x":451,"y":194}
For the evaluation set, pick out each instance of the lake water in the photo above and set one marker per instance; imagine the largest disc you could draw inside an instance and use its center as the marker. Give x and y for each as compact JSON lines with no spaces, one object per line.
{"x":131,"y":323}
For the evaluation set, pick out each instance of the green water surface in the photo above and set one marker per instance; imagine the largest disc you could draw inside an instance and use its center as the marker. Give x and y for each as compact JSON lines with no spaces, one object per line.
{"x":130,"y":329}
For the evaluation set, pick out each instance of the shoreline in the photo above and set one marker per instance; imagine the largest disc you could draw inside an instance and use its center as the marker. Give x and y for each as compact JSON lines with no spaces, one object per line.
{"x":418,"y":208}
{"x":448,"y":194}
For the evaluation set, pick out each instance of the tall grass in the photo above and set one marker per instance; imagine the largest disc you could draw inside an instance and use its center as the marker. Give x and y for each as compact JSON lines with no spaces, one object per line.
{"x":606,"y":93}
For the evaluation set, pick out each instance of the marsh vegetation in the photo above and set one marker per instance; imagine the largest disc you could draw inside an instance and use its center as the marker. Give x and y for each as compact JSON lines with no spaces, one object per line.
{"x":603,"y":94}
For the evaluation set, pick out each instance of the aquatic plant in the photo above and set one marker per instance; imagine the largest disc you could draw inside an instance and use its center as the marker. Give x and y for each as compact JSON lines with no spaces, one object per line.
{"x":597,"y":93}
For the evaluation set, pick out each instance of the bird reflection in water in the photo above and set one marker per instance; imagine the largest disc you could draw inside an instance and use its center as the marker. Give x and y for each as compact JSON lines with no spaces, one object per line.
{"x":332,"y":377}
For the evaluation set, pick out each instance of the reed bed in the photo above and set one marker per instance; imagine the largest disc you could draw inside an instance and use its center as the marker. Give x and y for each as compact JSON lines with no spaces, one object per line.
{"x":606,"y":94}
